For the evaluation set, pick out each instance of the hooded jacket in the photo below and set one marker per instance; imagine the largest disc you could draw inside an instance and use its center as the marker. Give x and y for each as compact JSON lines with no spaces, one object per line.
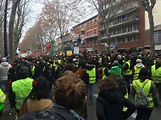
{"x":109,"y":105}
{"x":4,"y":67}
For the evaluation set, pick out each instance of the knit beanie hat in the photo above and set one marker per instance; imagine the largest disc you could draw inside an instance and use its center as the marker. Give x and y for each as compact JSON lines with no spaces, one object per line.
{"x":115,"y":71}
{"x":144,"y":72}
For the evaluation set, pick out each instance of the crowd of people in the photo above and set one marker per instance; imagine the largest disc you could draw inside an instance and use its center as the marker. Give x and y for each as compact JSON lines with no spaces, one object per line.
{"x":59,"y":87}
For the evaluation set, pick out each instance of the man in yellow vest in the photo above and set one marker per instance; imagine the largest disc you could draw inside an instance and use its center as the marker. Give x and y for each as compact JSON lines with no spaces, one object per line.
{"x":91,"y":70}
{"x":21,"y":88}
{"x":127,"y":71}
{"x":137,"y":68}
{"x":2,"y":100}
{"x":156,"y":74}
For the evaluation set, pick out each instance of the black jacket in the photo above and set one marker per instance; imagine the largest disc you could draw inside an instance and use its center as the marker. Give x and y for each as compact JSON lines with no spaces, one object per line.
{"x":109,"y":105}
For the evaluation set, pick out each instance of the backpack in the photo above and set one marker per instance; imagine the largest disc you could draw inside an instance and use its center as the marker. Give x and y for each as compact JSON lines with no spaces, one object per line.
{"x":141,"y":99}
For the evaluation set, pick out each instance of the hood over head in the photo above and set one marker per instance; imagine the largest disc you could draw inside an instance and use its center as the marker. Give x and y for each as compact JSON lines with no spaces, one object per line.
{"x":112,"y":96}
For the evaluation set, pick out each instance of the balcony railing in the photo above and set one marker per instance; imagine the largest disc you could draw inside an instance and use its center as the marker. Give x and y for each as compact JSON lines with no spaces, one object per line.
{"x":133,"y":20}
{"x":124,"y":34}
{"x":91,"y":36}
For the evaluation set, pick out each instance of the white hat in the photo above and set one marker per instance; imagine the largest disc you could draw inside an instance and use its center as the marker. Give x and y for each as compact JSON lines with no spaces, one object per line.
{"x":138,"y":60}
{"x":74,"y":60}
{"x":3,"y":59}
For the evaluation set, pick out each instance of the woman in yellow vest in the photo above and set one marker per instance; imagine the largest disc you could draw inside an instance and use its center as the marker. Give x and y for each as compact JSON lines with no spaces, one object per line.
{"x":144,"y":113}
{"x":2,"y":100}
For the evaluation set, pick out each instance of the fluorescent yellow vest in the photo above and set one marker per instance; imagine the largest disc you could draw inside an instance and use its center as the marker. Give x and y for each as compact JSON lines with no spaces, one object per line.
{"x":103,"y":74}
{"x":156,"y":74}
{"x":92,"y":75}
{"x":136,"y":73}
{"x":146,"y":90}
{"x":2,"y":99}
{"x":32,"y":70}
{"x":128,"y":71}
{"x":22,"y":89}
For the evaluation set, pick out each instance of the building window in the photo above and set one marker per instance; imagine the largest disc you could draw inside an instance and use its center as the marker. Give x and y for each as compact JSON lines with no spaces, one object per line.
{"x":114,"y":32}
{"x":135,"y":27}
{"x":129,"y":38}
{"x":95,"y":31}
{"x":119,"y":31}
{"x":88,"y":33}
{"x":124,"y":29}
{"x":87,"y":26}
{"x":129,"y":28}
{"x":91,"y":32}
{"x":111,"y":32}
{"x":95,"y":23}
{"x":91,"y":25}
{"x":119,"y":40}
{"x":135,"y":14}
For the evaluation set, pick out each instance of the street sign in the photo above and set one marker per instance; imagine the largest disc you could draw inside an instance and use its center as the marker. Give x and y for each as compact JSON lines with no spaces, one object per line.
{"x":76,"y":50}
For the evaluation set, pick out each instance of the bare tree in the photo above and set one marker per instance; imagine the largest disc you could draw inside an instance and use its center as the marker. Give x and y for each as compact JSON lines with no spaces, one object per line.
{"x":56,"y":18}
{"x":17,"y":20}
{"x":22,"y":12}
{"x":107,"y":10}
{"x":148,"y":6}
{"x":2,"y":5}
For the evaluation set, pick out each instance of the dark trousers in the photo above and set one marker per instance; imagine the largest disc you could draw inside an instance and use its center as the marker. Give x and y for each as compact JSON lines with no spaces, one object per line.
{"x":1,"y":113}
{"x":128,"y":79}
{"x":143,"y":114}
{"x":17,"y":111}
{"x":158,"y":87}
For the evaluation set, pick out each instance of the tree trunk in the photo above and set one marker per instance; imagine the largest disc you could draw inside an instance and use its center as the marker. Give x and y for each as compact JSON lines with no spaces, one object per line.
{"x":151,"y":23}
{"x":108,"y":36}
{"x":11,"y":28}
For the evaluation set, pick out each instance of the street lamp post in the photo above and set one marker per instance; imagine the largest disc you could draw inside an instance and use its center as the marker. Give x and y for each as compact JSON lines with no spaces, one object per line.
{"x":5,"y":30}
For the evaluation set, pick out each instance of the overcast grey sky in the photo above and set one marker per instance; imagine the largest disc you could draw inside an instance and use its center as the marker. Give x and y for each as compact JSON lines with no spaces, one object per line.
{"x":36,"y":7}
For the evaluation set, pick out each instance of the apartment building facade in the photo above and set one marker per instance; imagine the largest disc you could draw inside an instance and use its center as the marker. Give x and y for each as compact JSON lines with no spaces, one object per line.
{"x":129,"y":29}
{"x":88,"y":32}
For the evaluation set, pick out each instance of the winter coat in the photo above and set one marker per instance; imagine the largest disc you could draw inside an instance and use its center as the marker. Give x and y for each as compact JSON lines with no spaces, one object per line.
{"x":109,"y":105}
{"x":4,"y":67}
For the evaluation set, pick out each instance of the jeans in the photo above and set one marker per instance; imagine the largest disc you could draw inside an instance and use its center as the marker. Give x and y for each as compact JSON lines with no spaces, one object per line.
{"x":143,"y":114}
{"x":3,"y":85}
{"x":91,"y":92}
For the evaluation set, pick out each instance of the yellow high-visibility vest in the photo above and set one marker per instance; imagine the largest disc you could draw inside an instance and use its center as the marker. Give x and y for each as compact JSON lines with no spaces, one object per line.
{"x":22,"y":89}
{"x":92,"y":75}
{"x":156,"y":74}
{"x":2,"y":99}
{"x":146,"y":90}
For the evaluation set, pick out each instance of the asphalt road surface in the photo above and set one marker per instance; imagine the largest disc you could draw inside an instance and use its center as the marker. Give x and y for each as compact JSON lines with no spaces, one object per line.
{"x":91,"y":109}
